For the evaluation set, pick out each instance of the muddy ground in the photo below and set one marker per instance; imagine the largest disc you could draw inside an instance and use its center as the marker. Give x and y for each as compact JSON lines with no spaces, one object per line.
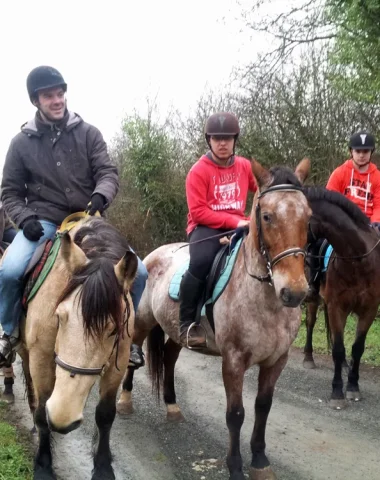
{"x":306,"y":440}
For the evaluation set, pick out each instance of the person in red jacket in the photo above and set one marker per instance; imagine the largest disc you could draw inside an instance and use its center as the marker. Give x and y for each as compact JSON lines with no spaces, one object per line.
{"x":216,"y":189}
{"x":359,"y":180}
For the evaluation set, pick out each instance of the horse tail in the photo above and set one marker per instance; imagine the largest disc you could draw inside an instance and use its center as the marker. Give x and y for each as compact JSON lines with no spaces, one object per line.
{"x":156,"y":345}
{"x":327,"y":325}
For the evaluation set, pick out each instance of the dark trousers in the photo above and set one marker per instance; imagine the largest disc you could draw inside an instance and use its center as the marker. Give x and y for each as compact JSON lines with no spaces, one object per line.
{"x":202,"y":254}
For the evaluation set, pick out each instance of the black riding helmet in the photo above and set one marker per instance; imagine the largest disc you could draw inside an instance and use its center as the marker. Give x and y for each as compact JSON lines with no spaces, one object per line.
{"x":41,"y":78}
{"x":362,"y":141}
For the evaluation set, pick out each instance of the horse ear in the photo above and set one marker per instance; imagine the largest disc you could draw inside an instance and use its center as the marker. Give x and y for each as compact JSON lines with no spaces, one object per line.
{"x":126,"y":269}
{"x":303,"y":169}
{"x":263,"y":176}
{"x":73,"y":256}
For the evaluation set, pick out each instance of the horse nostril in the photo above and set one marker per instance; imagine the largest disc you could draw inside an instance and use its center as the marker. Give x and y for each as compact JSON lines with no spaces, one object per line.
{"x":286,"y":295}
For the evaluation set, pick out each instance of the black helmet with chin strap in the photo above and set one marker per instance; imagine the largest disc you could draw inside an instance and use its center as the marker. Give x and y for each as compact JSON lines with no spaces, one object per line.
{"x":362,"y":141}
{"x":41,"y":78}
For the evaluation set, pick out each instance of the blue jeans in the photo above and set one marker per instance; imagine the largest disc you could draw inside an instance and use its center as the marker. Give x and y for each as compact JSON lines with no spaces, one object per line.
{"x":12,"y":271}
{"x":139,"y":284}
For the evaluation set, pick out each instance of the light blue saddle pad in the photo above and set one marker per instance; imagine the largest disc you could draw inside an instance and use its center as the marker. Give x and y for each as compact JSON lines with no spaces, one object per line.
{"x":327,"y":256}
{"x":220,"y":284}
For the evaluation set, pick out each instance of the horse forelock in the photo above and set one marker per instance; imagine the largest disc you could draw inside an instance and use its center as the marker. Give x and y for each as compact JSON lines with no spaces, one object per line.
{"x":283,"y":176}
{"x":100,"y":296}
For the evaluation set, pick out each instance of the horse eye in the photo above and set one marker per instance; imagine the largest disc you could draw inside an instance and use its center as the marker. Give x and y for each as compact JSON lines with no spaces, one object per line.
{"x":266,"y":217}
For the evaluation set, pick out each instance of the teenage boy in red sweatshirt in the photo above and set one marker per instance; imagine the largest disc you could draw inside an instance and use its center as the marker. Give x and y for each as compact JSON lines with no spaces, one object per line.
{"x":359,"y":180}
{"x":216,"y":189}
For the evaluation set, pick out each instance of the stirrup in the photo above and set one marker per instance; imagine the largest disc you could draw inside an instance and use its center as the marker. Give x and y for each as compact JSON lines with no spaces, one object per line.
{"x":195,"y":324}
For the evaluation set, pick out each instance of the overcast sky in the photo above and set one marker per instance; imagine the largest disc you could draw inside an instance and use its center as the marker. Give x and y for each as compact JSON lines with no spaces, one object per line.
{"x":114,"y":53}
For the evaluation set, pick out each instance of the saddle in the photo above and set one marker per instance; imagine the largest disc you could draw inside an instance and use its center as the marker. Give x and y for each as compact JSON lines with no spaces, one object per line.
{"x":216,"y":281}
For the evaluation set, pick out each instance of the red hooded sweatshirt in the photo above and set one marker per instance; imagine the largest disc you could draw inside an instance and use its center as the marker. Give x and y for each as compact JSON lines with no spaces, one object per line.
{"x":216,"y":195}
{"x":361,"y":188}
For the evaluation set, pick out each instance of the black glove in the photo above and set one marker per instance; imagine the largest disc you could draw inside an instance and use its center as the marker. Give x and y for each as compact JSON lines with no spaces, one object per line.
{"x":97,"y":204}
{"x":33,"y":230}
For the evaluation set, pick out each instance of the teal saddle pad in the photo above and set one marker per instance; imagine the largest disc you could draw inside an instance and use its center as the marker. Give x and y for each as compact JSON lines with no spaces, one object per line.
{"x":326,"y":258}
{"x":224,"y":277}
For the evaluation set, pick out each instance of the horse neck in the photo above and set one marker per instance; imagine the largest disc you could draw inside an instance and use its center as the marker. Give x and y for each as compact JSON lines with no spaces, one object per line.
{"x":346,"y":241}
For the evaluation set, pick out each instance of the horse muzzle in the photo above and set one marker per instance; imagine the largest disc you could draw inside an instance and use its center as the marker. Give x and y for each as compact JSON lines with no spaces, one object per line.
{"x":62,"y":423}
{"x":291,"y":298}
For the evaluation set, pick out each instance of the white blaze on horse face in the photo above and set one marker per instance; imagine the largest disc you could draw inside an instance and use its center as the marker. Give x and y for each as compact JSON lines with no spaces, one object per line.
{"x":289,"y":213}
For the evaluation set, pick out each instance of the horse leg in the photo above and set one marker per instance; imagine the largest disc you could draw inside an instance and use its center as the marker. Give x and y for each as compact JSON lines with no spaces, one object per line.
{"x":104,"y":417}
{"x":233,"y":369}
{"x":8,"y":395}
{"x":42,"y":372}
{"x":171,"y":353}
{"x":125,"y":402}
{"x":337,"y":323}
{"x":365,"y":321}
{"x":311,"y":317}
{"x":268,"y":376}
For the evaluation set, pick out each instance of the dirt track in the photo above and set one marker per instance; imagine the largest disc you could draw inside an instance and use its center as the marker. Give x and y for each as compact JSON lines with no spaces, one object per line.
{"x":305,"y":438}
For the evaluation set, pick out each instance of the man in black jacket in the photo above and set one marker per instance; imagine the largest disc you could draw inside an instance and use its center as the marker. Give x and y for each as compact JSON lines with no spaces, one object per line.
{"x":55,"y":166}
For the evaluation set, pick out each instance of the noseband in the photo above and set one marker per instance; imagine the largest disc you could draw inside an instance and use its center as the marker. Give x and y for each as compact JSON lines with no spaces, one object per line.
{"x":74,"y":370}
{"x":272,"y":262}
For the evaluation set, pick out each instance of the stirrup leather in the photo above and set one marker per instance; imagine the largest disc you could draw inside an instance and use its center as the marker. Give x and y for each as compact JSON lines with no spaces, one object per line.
{"x":195,"y":324}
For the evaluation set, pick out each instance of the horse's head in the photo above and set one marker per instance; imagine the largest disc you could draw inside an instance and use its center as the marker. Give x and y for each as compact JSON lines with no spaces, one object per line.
{"x":93,"y":314}
{"x":279,"y":224}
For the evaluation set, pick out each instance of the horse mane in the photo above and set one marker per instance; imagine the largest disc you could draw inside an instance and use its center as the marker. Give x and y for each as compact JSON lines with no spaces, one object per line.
{"x":340,"y":208}
{"x":100,"y":294}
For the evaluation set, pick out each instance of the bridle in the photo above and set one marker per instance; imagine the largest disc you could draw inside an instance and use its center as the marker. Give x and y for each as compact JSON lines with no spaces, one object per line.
{"x":74,"y":370}
{"x":271,"y":262}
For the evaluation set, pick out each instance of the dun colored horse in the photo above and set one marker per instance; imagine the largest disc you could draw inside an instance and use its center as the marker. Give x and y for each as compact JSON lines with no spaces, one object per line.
{"x":256,"y":318}
{"x":78,"y":327}
{"x":351,"y":285}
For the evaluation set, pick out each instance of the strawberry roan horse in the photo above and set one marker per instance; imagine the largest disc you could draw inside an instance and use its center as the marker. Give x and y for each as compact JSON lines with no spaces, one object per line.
{"x":81,"y":313}
{"x":255,"y":321}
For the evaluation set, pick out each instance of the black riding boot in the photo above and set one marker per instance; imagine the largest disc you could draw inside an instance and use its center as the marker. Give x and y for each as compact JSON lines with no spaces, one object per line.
{"x":191,"y":334}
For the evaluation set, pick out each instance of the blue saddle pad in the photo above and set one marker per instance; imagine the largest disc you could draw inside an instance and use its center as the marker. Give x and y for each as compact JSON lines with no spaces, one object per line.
{"x":326,"y":259}
{"x":220,"y":284}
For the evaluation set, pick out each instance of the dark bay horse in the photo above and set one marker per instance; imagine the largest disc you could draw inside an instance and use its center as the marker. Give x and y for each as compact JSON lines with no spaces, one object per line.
{"x":255,"y":321}
{"x":351,"y":285}
{"x":78,"y":327}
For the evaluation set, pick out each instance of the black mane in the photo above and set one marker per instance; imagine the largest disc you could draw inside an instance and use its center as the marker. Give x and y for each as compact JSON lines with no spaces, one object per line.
{"x":100,"y":295}
{"x":328,"y":203}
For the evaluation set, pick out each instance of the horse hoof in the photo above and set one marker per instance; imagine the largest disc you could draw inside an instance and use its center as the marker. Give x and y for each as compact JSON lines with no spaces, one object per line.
{"x":175,"y":417}
{"x":338,"y":403}
{"x":8,"y":398}
{"x":237,"y":476}
{"x":309,"y":364}
{"x":353,"y":396}
{"x":262,"y":474}
{"x":42,"y":474}
{"x":124,"y":408}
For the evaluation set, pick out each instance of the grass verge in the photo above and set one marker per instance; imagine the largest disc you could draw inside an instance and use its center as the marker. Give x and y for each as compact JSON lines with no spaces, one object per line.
{"x":371,"y":354}
{"x":15,"y":450}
